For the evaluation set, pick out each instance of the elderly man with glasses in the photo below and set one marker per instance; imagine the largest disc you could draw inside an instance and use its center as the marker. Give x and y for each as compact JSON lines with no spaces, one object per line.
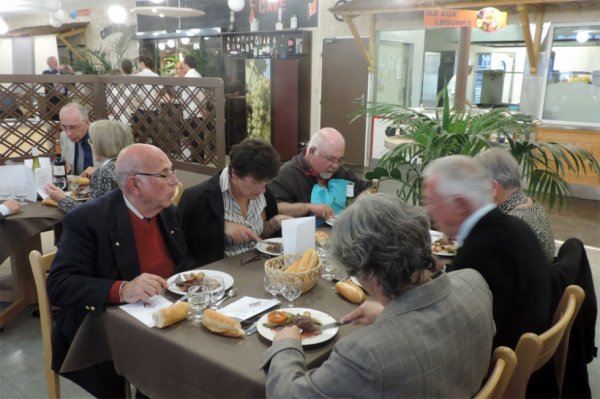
{"x":306,"y":184}
{"x":74,"y":139}
{"x":118,"y":248}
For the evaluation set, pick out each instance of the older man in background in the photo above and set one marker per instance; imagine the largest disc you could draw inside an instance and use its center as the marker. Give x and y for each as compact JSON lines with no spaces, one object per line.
{"x":74,"y":139}
{"x":52,"y":97}
{"x":118,"y":248}
{"x":306,"y":175}
{"x":457,"y":194}
{"x":427,"y":335}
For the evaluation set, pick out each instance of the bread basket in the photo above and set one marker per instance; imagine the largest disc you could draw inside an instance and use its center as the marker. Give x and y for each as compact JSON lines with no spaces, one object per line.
{"x":275,"y":267}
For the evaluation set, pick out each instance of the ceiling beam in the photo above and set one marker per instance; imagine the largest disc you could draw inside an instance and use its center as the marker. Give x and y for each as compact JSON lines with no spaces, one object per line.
{"x":359,"y":42}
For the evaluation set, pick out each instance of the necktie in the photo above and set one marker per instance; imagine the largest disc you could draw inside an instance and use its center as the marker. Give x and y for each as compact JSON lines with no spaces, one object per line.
{"x":80,"y":158}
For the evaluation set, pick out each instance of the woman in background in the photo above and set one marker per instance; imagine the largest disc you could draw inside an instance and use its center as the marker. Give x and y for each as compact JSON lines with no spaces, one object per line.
{"x":510,"y":198}
{"x":107,"y":138}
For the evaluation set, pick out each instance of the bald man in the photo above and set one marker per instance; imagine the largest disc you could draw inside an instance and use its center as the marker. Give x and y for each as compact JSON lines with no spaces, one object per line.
{"x":299,"y":178}
{"x":117,"y":249}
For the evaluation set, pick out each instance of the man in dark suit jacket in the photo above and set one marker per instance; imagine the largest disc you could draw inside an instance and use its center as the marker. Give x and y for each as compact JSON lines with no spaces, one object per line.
{"x":52,"y":96}
{"x":118,"y":248}
{"x":457,"y":194}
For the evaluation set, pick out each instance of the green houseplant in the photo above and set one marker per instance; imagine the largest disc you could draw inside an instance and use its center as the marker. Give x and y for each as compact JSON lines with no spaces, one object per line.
{"x":458,"y":132}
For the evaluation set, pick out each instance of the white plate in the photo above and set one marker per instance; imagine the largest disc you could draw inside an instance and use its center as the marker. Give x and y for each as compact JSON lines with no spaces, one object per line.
{"x":262,"y":246}
{"x":323,"y":318}
{"x":330,"y":221}
{"x":437,"y":235}
{"x":227,"y":279}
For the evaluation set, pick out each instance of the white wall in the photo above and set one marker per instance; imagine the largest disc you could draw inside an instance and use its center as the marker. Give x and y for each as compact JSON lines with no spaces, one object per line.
{"x":6,"y":66}
{"x":43,"y":47}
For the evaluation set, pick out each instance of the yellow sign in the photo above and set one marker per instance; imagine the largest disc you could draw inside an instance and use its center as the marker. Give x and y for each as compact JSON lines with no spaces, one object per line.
{"x":487,"y":19}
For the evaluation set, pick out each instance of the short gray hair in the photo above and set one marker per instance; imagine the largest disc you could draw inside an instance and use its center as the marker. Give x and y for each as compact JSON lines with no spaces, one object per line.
{"x":110,"y":137}
{"x":83,"y":112}
{"x":460,"y":175}
{"x":382,"y":236}
{"x":501,"y":166}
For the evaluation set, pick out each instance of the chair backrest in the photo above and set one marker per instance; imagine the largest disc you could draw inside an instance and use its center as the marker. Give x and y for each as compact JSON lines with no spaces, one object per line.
{"x":533,"y":351}
{"x":40,"y":264}
{"x":177,"y":195}
{"x":504,"y":361}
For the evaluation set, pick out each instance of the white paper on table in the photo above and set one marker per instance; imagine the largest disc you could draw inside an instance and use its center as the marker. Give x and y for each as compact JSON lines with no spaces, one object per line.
{"x":44,"y":161}
{"x":298,"y":234}
{"x":143,"y":310}
{"x":17,"y":181}
{"x":43,"y":177}
{"x":247,"y":307}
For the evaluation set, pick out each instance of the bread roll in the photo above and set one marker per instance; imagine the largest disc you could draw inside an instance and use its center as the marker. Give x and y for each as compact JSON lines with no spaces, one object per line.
{"x":166,"y":316}
{"x":84,"y":181}
{"x":50,"y":202}
{"x":350,"y":291}
{"x":221,"y":324}
{"x":321,"y":237}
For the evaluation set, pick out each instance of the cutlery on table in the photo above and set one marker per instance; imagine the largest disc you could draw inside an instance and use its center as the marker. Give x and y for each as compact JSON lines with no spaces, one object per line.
{"x":330,"y":325}
{"x":229,"y":294}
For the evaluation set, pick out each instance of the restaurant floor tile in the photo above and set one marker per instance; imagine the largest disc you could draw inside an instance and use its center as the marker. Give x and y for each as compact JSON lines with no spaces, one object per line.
{"x":21,"y":355}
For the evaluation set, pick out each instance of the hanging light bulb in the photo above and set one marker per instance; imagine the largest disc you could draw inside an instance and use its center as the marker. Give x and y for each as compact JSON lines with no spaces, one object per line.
{"x":185,"y":40}
{"x":171,"y":43}
{"x":161,"y":46}
{"x":3,"y":26}
{"x":582,"y":36}
{"x":52,"y":5}
{"x":59,"y":15}
{"x":236,"y":5}
{"x":117,"y":14}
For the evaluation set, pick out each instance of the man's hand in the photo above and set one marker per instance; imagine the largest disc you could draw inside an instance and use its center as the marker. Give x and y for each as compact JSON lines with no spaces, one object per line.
{"x":276,"y":220}
{"x":55,"y":193}
{"x":12,"y":205}
{"x":88,"y":172}
{"x":238,"y":232}
{"x":288,"y":332}
{"x":320,"y":210}
{"x":365,"y":314}
{"x":142,"y":288}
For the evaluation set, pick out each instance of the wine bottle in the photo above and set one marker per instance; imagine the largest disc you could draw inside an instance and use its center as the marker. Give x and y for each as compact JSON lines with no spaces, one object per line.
{"x":35,"y":164}
{"x":59,"y":172}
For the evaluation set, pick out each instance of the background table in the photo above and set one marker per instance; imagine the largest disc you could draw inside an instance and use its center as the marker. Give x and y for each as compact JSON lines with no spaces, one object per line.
{"x":19,"y":235}
{"x":188,"y":361}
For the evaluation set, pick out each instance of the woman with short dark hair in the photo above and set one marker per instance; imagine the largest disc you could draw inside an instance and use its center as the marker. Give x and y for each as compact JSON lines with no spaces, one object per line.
{"x":227,"y":214}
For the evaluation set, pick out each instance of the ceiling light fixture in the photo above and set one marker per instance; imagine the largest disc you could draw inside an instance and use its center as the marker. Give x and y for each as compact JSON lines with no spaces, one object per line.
{"x":185,"y":40}
{"x":171,"y":43}
{"x":582,"y":36}
{"x":117,"y":14}
{"x":236,"y":5}
{"x":157,"y":1}
{"x":167,"y":11}
{"x":161,"y":46}
{"x":52,"y":5}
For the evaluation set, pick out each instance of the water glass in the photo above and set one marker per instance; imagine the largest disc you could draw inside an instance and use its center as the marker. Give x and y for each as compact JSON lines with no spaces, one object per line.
{"x":198,"y":300}
{"x":215,"y":286}
{"x":326,"y":269}
{"x":272,"y":285}
{"x":292,"y":288}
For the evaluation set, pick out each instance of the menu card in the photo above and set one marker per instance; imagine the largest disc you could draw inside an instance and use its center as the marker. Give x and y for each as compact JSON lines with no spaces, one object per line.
{"x":17,"y":182}
{"x":246,"y":307}
{"x":142,"y":310}
{"x":298,"y":234}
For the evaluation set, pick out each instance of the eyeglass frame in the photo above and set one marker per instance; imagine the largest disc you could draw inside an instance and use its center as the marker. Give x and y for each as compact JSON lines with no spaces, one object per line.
{"x":164,"y":176}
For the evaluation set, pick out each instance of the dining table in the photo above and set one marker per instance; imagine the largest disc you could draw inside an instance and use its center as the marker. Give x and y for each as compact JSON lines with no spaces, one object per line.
{"x":186,"y":360}
{"x":19,"y":235}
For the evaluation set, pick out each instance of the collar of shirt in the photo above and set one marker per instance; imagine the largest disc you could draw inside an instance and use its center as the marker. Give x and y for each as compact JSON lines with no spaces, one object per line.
{"x":466,"y":227}
{"x":224,"y":179}
{"x":132,"y":208}
{"x":106,"y":161}
{"x":4,"y":210}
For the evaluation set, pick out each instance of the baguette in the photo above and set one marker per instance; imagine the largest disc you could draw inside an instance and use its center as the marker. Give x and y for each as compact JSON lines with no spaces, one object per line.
{"x":310,"y":260}
{"x":294,"y":267}
{"x":350,"y":291}
{"x":170,"y":315}
{"x":50,"y":202}
{"x":221,"y":324}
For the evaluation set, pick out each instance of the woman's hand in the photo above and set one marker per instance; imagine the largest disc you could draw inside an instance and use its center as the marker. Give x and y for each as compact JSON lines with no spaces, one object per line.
{"x":55,"y":193}
{"x":88,"y":172}
{"x":365,"y":314}
{"x":288,"y":332}
{"x":238,"y":232}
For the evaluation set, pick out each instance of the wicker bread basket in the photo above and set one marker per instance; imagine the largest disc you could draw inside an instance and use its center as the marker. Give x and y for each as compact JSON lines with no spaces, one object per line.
{"x":275,"y":267}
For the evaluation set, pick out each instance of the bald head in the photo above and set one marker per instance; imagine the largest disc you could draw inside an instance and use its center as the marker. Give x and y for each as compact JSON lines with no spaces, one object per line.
{"x":325,"y":153}
{"x":327,"y":138}
{"x":137,"y":158}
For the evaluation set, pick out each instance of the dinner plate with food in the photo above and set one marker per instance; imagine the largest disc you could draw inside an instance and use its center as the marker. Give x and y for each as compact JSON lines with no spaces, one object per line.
{"x":441,"y":244}
{"x":309,"y":320}
{"x":180,"y":282}
{"x":271,"y":246}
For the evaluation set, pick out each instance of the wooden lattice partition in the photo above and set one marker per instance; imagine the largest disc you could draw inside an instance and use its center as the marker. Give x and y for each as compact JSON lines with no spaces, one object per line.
{"x":182,"y":116}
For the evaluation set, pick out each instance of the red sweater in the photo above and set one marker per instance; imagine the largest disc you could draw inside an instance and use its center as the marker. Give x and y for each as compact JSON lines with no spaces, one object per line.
{"x":153,"y":255}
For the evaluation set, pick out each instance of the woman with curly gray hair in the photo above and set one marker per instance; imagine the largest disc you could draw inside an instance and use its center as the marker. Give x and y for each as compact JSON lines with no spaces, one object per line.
{"x":419,"y":323}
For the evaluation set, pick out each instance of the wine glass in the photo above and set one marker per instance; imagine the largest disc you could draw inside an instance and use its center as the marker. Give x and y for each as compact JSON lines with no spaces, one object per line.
{"x":326,"y":269}
{"x":215,"y":286}
{"x":272,"y":285}
{"x":198,"y":300}
{"x":292,"y":288}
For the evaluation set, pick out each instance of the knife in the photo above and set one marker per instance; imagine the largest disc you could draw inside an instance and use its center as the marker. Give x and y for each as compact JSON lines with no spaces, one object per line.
{"x":329,"y":325}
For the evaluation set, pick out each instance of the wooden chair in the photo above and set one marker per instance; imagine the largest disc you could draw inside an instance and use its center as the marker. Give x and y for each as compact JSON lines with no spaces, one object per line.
{"x":40,"y":265}
{"x":505,"y":361}
{"x":177,"y":195}
{"x":533,"y":351}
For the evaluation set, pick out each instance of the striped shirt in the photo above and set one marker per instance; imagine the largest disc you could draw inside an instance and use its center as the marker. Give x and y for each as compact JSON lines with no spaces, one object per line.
{"x":233,"y":213}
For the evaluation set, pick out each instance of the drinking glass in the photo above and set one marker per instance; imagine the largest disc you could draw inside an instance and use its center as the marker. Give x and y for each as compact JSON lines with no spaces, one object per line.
{"x":73,"y":184}
{"x":198,"y":300}
{"x":272,"y":285}
{"x":292,"y":288}
{"x":215,"y":287}
{"x":326,"y":269}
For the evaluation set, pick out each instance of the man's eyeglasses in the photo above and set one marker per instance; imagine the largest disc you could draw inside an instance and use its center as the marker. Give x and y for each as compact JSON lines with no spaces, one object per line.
{"x":331,"y":159}
{"x":165,"y":176}
{"x":69,"y":127}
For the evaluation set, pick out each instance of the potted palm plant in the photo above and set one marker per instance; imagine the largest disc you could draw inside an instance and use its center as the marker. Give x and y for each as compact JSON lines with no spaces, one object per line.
{"x":466,"y":132}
